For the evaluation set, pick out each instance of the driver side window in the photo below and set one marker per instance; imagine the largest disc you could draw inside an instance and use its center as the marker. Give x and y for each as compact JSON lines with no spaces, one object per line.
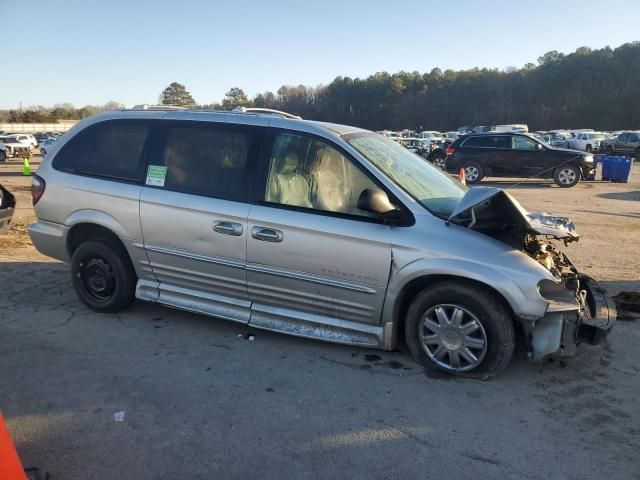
{"x":306,"y":172}
{"x":524,"y":143}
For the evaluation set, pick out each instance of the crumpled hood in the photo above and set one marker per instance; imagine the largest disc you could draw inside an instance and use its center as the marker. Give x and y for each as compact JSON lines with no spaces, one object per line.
{"x":538,"y":223}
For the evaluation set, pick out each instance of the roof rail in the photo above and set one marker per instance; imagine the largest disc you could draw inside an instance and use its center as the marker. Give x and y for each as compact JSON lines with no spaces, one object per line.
{"x":265,"y":110}
{"x":145,"y":106}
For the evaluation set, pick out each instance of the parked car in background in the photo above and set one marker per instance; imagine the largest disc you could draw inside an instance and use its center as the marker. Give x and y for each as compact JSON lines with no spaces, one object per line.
{"x":3,"y":153}
{"x":312,"y":229}
{"x":416,"y":145}
{"x":451,"y":137}
{"x":7,"y":207}
{"x":586,"y":141}
{"x":516,"y":155}
{"x":626,"y":143}
{"x":46,"y":144}
{"x":554,"y":139}
{"x":26,"y":139}
{"x":516,"y":128}
{"x":40,"y":136}
{"x":14,"y":148}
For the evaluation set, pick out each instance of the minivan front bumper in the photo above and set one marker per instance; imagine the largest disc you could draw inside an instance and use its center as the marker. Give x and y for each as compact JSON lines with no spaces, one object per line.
{"x":561,"y":330}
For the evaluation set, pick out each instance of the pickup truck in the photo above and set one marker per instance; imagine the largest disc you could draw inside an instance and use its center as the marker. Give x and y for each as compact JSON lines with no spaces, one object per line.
{"x":627,"y":143}
{"x":586,"y":141}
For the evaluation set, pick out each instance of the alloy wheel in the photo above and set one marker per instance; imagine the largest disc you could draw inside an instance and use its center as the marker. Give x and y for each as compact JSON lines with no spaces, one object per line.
{"x":471,"y":173}
{"x":567,"y":176}
{"x":453,"y":337}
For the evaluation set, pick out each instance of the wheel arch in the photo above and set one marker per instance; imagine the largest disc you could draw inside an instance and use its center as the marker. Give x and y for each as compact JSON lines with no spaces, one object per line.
{"x":87,"y":224}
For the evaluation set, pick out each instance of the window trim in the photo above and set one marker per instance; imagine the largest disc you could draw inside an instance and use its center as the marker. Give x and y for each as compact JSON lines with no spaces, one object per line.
{"x":161,"y":134}
{"x":144,"y":154}
{"x":262,"y":176}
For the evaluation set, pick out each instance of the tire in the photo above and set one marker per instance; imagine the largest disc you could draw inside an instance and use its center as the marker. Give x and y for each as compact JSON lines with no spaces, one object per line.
{"x":439,"y":161}
{"x":610,"y":150}
{"x":589,"y":149}
{"x":480,"y":308}
{"x":567,"y":176}
{"x":473,"y":173}
{"x":637,"y":154}
{"x":103,"y":276}
{"x":3,"y":156}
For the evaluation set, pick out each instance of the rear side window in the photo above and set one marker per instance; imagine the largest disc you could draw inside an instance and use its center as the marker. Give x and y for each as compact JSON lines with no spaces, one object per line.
{"x":208,"y":160}
{"x":488,"y":141}
{"x":111,"y":149}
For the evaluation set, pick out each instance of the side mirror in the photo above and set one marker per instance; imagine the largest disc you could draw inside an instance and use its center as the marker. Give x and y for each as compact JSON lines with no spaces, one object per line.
{"x":377,"y":201}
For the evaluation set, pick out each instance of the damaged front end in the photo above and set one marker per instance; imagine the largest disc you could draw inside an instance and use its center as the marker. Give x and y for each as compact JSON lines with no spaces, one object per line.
{"x":578,"y":309}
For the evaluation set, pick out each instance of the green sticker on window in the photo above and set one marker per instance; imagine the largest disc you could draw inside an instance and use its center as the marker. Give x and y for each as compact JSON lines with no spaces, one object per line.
{"x":156,"y":175}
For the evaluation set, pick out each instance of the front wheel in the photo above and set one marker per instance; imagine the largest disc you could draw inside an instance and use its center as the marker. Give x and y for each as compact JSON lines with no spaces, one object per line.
{"x":460,"y":329}
{"x":610,"y":150}
{"x":567,"y":176}
{"x":439,"y":161}
{"x":103,"y":276}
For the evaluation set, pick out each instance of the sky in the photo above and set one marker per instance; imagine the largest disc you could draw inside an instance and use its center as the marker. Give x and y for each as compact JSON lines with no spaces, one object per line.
{"x":92,"y":51}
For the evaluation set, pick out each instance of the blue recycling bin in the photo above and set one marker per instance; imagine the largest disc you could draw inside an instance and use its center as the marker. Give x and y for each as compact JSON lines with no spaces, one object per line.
{"x":616,"y":169}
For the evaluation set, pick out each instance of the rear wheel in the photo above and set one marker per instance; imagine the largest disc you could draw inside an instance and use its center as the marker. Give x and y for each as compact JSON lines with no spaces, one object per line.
{"x":3,"y":156}
{"x":589,"y":149}
{"x":439,"y":160}
{"x":103,"y":276}
{"x":473,"y":173}
{"x":460,"y":329}
{"x":610,"y":150}
{"x":566,"y":176}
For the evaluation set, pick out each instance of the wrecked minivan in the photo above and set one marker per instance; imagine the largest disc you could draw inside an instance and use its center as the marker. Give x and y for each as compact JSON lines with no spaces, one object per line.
{"x":313,"y":229}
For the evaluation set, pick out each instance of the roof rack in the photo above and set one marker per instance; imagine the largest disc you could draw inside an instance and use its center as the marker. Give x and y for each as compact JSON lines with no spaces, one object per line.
{"x":146,"y":106}
{"x":265,"y":110}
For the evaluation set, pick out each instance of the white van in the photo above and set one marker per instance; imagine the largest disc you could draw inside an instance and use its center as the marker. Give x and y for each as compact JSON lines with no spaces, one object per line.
{"x":516,"y":127}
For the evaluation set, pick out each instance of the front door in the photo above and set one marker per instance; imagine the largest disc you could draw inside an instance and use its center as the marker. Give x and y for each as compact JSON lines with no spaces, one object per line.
{"x":317,"y":266}
{"x":193,"y":213}
{"x":530,"y":158}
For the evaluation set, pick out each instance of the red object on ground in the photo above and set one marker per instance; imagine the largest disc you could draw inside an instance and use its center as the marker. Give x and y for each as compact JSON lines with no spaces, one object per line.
{"x":10,"y":465}
{"x":461,"y":175}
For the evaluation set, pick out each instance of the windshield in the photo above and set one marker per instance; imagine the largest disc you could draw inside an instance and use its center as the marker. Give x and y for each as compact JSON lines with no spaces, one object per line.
{"x":433,"y":189}
{"x":8,"y":140}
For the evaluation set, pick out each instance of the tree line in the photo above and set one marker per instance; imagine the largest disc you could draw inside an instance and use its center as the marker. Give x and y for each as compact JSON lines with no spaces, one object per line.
{"x":585,"y":89}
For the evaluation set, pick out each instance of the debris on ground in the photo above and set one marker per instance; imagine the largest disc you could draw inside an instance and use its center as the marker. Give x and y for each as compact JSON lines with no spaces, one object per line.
{"x":628,"y":305}
{"x":18,"y":235}
{"x":118,"y":416}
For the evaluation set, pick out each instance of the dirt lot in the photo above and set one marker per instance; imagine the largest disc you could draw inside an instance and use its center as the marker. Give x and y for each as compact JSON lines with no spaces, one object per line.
{"x":202,"y":401}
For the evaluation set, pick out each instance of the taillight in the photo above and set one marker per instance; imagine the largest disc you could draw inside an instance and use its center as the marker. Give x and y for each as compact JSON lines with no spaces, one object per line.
{"x":37,"y":188}
{"x":450,"y":150}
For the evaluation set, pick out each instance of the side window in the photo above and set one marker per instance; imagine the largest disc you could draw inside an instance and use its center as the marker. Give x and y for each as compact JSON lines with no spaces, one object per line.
{"x":502,"y":142}
{"x":207,"y":160}
{"x":111,"y":149}
{"x":477,"y":142}
{"x":623,"y":137}
{"x":523,"y":143}
{"x":305,"y":172}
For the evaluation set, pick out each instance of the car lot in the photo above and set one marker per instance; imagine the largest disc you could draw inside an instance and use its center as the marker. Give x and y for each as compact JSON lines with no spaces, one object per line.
{"x":213,"y":403}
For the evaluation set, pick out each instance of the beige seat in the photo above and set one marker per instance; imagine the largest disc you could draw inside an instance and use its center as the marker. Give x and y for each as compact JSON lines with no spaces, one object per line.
{"x":286,"y":185}
{"x":331,"y":193}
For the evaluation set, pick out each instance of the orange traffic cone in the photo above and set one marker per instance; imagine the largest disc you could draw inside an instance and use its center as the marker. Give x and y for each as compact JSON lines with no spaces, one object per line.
{"x":461,"y":176}
{"x":10,"y":466}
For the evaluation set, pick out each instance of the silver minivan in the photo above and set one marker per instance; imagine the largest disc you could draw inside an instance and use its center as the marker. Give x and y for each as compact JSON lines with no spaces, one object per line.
{"x":312,"y":229}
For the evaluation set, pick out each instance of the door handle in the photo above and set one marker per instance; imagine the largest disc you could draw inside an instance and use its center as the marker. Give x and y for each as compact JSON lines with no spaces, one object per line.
{"x":228,"y":228}
{"x":267,"y":234}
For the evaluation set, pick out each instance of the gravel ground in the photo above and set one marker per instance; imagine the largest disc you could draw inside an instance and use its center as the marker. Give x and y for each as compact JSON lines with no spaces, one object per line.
{"x":203,"y":401}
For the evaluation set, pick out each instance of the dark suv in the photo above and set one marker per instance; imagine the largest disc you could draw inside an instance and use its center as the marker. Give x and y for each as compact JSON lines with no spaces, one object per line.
{"x":516,"y":155}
